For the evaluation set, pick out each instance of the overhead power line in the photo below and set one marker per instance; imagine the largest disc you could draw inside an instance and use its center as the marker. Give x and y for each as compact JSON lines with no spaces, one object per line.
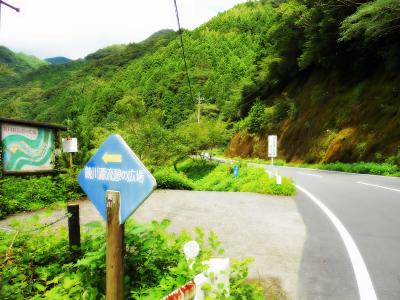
{"x":183,"y":50}
{"x":9,"y":5}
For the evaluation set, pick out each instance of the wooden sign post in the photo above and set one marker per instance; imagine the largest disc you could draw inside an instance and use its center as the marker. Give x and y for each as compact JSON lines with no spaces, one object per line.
{"x":116,"y":172}
{"x":74,"y":232}
{"x":114,"y":255}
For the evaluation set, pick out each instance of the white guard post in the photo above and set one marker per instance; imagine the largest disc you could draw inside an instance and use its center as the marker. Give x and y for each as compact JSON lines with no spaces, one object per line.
{"x":272,"y":147}
{"x":218,"y":272}
{"x":273,"y":152}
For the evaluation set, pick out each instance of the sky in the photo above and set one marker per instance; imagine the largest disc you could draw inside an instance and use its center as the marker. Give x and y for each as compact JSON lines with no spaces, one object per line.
{"x":75,"y":28}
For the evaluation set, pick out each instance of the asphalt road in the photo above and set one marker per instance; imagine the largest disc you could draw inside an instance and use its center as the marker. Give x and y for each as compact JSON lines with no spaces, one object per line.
{"x":352,"y":249}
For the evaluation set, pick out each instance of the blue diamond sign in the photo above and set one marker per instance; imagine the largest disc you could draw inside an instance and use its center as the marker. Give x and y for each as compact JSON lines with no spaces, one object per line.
{"x":115,"y":167}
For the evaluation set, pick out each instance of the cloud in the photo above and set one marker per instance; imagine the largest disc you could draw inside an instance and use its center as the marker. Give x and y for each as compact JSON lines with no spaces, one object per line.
{"x":75,"y":28}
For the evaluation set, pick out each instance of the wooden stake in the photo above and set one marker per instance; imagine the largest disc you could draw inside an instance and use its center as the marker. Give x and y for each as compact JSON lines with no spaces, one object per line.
{"x":71,"y":164}
{"x":114,"y":257}
{"x":74,"y":229}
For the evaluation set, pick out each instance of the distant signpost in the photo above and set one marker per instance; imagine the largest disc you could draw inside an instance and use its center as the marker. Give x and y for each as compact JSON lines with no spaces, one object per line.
{"x":70,"y":145}
{"x":28,"y":147}
{"x":272,"y":147}
{"x":236,"y":171}
{"x":116,"y":182}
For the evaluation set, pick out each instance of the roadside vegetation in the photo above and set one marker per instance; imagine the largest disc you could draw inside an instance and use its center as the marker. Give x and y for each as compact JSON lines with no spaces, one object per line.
{"x":40,"y":265}
{"x":205,"y":175}
{"x":36,"y":192}
{"x":372,"y":168}
{"x":31,"y":193}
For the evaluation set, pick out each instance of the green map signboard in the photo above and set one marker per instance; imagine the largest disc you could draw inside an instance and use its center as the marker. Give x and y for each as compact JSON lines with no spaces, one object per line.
{"x":27,"y":149}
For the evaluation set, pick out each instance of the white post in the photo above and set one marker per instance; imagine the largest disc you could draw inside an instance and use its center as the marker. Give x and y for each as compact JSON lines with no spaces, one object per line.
{"x":198,"y":109}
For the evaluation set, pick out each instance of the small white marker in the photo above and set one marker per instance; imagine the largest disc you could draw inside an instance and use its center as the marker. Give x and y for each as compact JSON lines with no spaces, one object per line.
{"x":191,"y":250}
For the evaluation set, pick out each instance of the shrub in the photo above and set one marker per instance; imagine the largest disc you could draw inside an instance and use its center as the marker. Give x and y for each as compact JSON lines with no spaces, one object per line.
{"x":394,"y":160}
{"x":197,"y":169}
{"x":363,"y":168}
{"x":283,"y":108}
{"x":319,"y":95}
{"x":41,"y":266}
{"x":169,"y":179}
{"x":27,"y":193}
{"x":256,"y":117}
{"x":250,"y":179}
{"x":361,"y":148}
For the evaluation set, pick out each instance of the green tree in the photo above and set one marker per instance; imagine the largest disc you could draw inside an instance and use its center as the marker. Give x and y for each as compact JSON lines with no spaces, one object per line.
{"x":373,"y":20}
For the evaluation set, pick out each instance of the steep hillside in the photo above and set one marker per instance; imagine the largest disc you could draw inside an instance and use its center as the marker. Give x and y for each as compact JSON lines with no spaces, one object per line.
{"x":324,"y":76}
{"x":330,"y":89}
{"x":328,"y":117}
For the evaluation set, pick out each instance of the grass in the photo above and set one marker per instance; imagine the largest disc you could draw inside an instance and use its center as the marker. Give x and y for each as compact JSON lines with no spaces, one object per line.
{"x":204,"y":175}
{"x":168,"y":179}
{"x":36,"y":192}
{"x":372,"y":168}
{"x":196,"y":170}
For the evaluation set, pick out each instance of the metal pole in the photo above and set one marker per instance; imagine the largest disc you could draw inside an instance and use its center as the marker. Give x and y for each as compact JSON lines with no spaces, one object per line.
{"x":74,"y":229}
{"x":10,"y":6}
{"x":115,"y":245}
{"x":70,"y":160}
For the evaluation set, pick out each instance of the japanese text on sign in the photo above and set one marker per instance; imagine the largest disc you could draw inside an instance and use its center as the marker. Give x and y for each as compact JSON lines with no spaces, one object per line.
{"x":116,"y":175}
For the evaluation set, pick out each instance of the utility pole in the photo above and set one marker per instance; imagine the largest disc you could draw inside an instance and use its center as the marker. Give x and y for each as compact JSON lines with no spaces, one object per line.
{"x":9,"y":5}
{"x":198,"y":109}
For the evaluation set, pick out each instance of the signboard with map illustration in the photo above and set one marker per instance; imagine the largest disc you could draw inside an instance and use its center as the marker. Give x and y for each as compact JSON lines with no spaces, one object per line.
{"x":27,"y":148}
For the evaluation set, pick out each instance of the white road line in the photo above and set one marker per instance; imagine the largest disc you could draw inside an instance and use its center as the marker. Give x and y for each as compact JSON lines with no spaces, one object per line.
{"x":308,"y":174}
{"x":364,"y":283}
{"x":379,"y":186}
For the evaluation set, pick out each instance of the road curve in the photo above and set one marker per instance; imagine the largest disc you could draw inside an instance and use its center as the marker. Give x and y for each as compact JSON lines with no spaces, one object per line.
{"x":368,"y":208}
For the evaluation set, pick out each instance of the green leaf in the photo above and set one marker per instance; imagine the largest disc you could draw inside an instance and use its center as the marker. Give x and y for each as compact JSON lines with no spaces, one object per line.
{"x":39,"y":287}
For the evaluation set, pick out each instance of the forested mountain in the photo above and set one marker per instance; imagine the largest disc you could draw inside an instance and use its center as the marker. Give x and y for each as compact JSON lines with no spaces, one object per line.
{"x":58,"y":60}
{"x":13,"y":64}
{"x":323,"y":75}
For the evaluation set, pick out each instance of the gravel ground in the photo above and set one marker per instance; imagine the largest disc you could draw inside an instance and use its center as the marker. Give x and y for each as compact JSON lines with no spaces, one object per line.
{"x":269,"y":229}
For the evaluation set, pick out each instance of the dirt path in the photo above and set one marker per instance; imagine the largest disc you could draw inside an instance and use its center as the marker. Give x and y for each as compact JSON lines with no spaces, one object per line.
{"x":269,"y":229}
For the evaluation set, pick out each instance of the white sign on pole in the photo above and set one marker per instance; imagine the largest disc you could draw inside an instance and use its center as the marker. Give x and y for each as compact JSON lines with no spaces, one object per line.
{"x":70,"y":145}
{"x":272,"y":146}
